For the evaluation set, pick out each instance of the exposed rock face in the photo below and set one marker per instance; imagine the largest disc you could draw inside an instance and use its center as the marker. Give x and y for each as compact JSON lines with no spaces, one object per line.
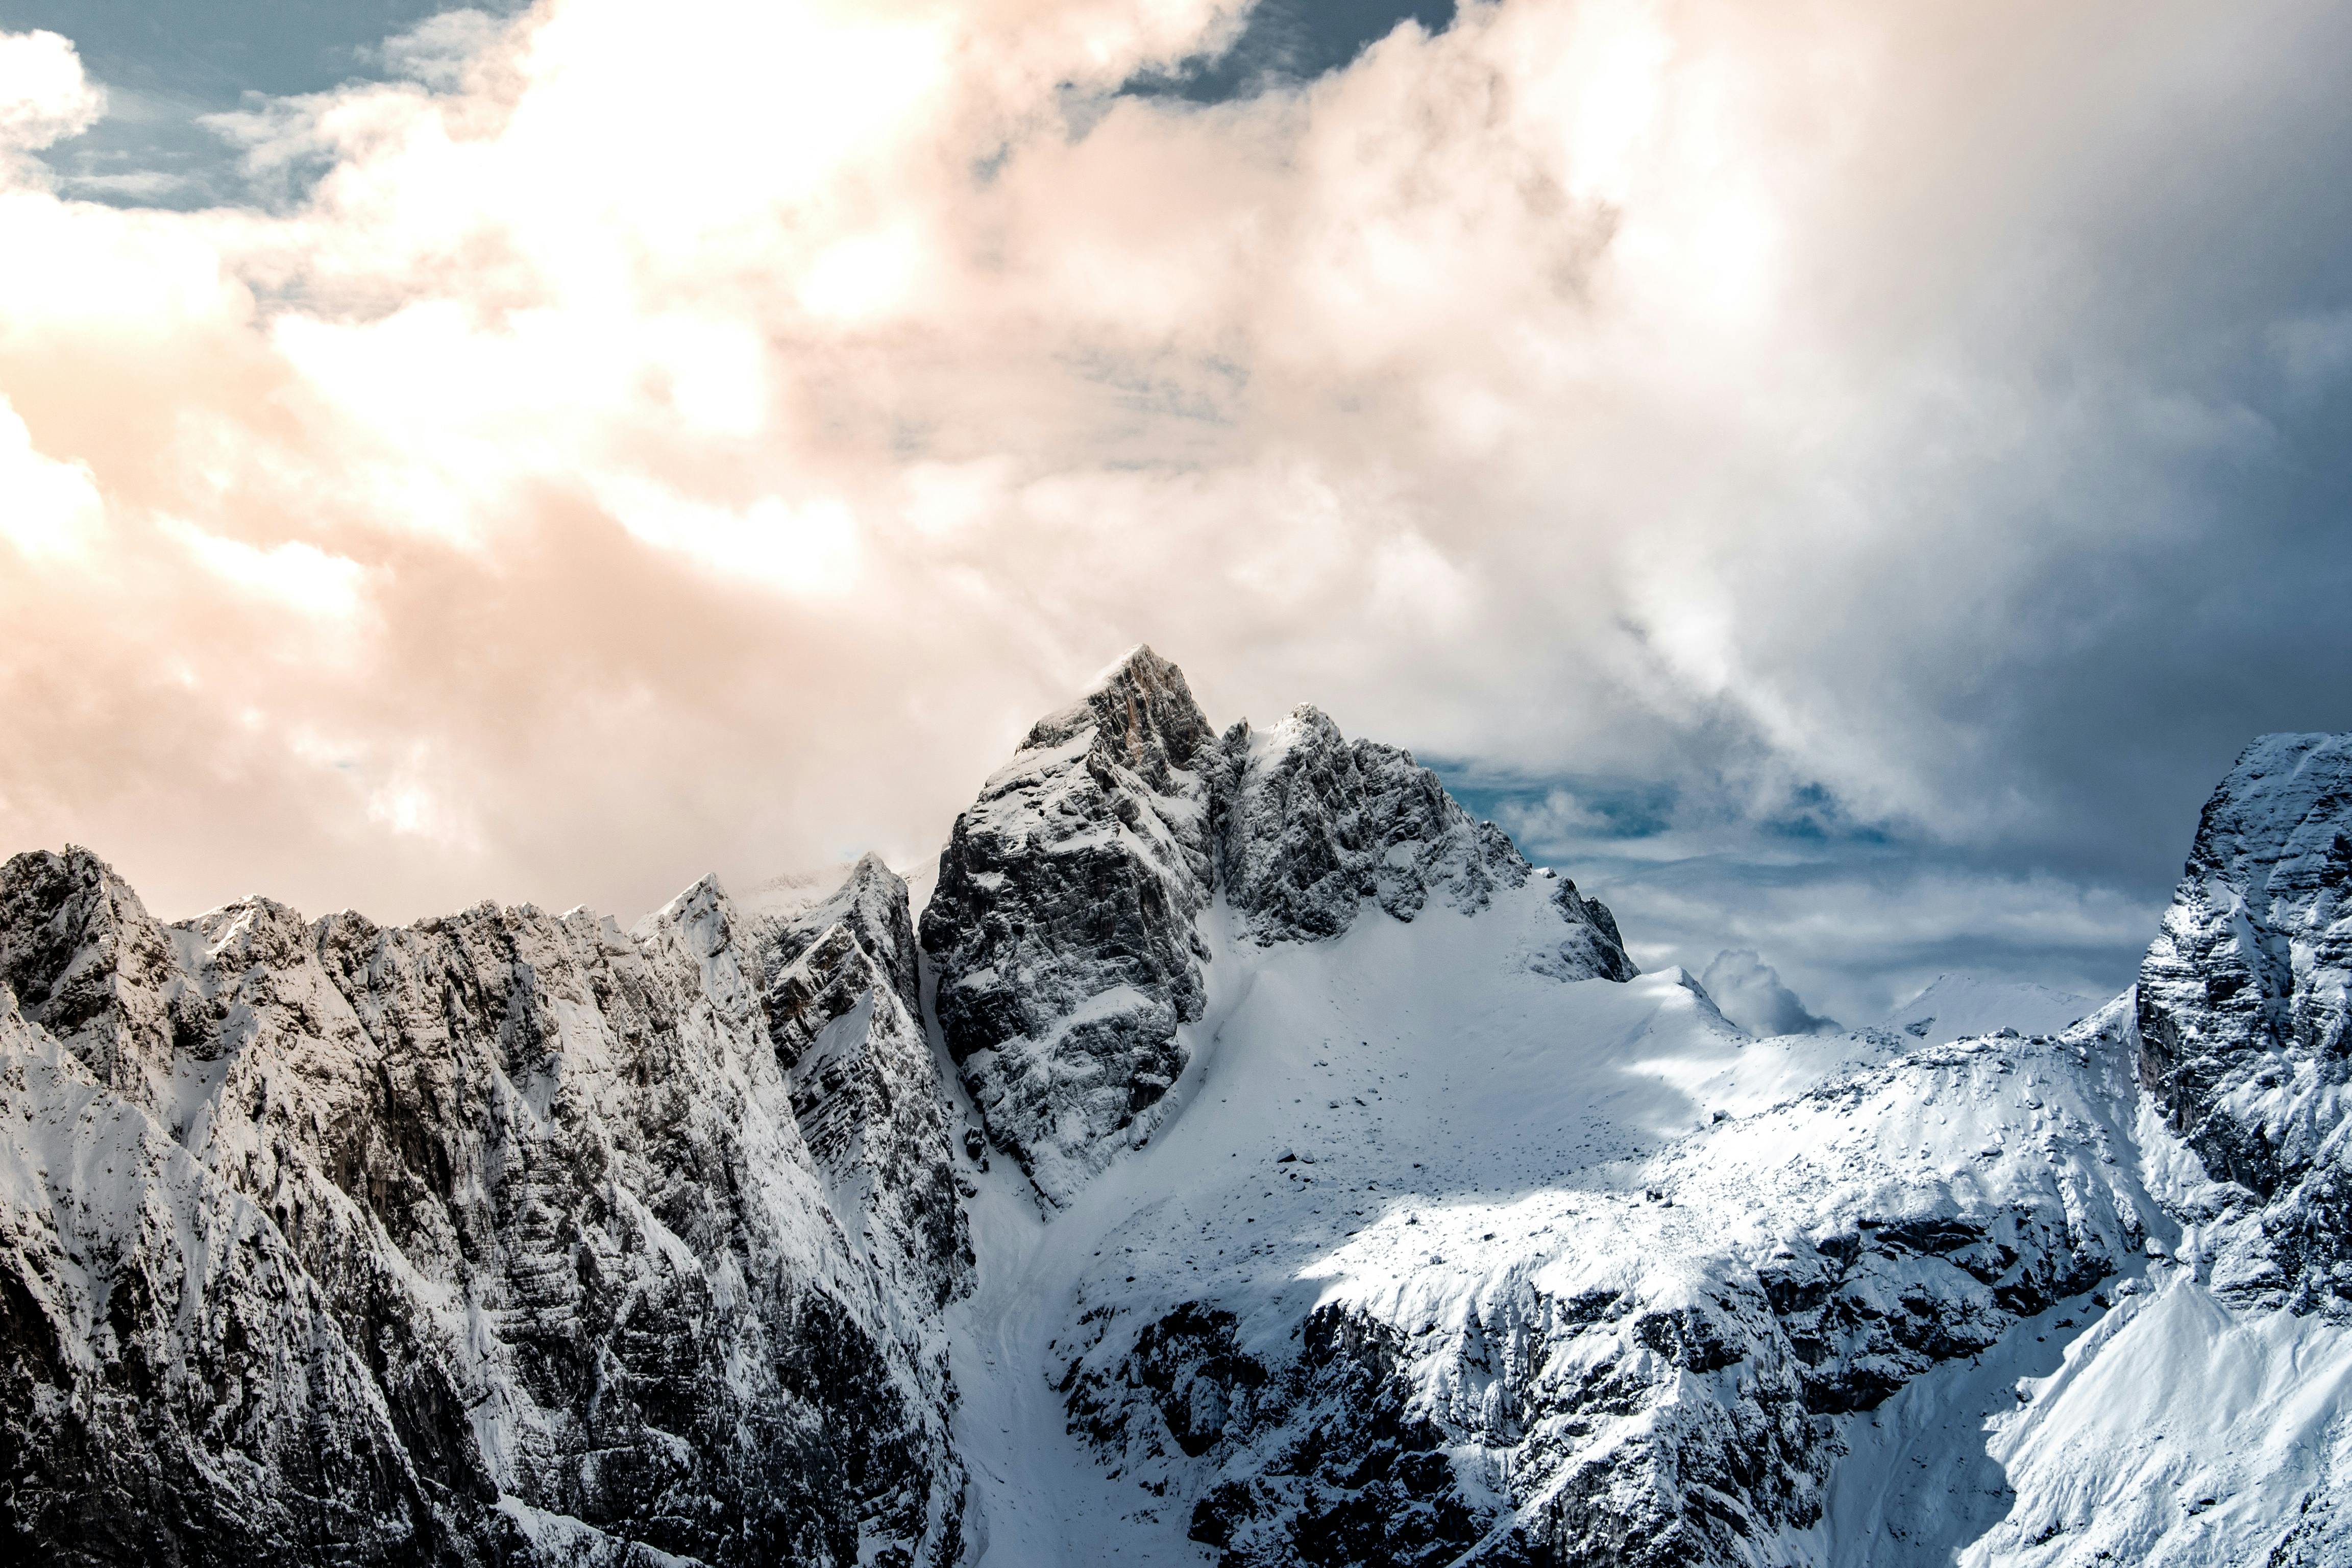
{"x":489,"y":1239}
{"x":1589,"y":947}
{"x":844,"y":1008}
{"x":871,"y":903}
{"x":87,"y":965}
{"x":1643,"y":1379}
{"x":1310,"y":827}
{"x":1065,"y":926}
{"x":2242,"y":1012}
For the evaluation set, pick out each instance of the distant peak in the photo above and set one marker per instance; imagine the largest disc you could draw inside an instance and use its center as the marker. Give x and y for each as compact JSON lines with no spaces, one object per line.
{"x":46,"y":874}
{"x":1310,"y":720}
{"x":705,"y":894}
{"x":1136,"y":663}
{"x":1140,"y":699}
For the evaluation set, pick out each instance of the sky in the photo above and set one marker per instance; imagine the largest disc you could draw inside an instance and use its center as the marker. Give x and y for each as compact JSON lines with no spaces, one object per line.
{"x":1841,"y":480}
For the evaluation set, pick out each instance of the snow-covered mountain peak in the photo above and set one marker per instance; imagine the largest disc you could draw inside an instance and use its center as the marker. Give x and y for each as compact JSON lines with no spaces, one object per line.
{"x":871,"y":901}
{"x":1138,"y":707}
{"x":1304,"y":725}
{"x":1072,"y":929}
{"x":1063,"y":925}
{"x":2244,"y":1013}
{"x":1955,"y":1006}
{"x":91,"y":966}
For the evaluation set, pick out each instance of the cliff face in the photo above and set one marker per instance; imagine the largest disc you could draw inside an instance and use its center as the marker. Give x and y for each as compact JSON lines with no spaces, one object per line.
{"x":517,"y":1239}
{"x":844,"y":1004}
{"x":2242,"y":1012}
{"x":1064,"y":924}
{"x":493,"y":1236}
{"x":1067,"y":927}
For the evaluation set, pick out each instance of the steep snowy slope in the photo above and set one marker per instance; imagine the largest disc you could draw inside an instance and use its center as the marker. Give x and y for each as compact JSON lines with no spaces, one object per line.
{"x":1955,"y":1006}
{"x":1440,"y":1253}
{"x":1066,"y":934}
{"x":1364,"y":1206}
{"x":490,"y":1239}
{"x":1434,"y":1257}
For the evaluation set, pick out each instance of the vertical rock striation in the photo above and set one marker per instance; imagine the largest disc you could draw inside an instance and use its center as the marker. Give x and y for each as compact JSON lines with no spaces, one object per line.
{"x":1066,"y":930}
{"x":838,"y":982}
{"x":1064,"y":927}
{"x":494,"y":1238}
{"x":2242,"y":1012}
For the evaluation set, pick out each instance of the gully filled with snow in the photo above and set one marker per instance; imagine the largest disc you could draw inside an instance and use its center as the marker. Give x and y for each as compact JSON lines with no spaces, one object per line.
{"x":1241,"y":1156}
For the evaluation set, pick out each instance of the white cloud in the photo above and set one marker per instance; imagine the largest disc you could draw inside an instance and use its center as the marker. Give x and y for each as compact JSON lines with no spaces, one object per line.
{"x":44,"y":97}
{"x":295,"y":576}
{"x":47,"y":509}
{"x":810,"y":549}
{"x":1599,"y":386}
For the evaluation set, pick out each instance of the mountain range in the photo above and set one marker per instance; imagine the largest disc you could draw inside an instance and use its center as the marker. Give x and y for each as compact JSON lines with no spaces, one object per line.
{"x":1241,"y":1156}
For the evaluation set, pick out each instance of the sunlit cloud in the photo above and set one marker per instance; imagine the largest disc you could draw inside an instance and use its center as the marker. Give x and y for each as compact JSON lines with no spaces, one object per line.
{"x":294,"y":575}
{"x":43,"y":95}
{"x":657,"y":437}
{"x":47,"y":509}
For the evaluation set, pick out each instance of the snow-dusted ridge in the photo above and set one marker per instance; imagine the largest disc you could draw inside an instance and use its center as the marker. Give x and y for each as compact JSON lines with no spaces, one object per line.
{"x":495,"y":1238}
{"x":1364,"y":1206}
{"x":1955,"y":1006}
{"x":1067,"y":927}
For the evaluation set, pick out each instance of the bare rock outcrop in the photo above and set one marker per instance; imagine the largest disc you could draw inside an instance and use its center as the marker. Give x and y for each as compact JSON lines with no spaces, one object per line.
{"x":1066,"y":929}
{"x":2243,"y":1013}
{"x":489,"y":1239}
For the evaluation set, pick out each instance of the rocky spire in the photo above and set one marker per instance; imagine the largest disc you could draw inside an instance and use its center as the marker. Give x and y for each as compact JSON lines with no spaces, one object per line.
{"x":91,"y":965}
{"x":2243,"y":1004}
{"x":1063,"y":928}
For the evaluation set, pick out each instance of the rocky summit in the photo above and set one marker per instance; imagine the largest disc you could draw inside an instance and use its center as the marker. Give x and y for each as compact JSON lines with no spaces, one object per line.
{"x":1079,"y":897}
{"x":494,"y":1238}
{"x":2242,"y":1017}
{"x":1245,"y":1157}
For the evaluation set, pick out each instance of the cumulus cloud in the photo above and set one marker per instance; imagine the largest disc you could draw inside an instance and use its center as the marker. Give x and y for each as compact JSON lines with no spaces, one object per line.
{"x":1751,"y":994}
{"x":52,"y":508}
{"x":43,"y":95}
{"x":646,"y":438}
